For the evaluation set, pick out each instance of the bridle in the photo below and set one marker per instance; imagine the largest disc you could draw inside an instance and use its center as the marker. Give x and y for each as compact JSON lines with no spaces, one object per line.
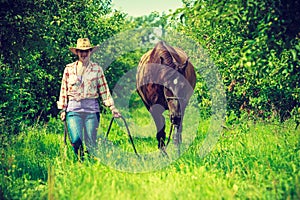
{"x":168,"y":98}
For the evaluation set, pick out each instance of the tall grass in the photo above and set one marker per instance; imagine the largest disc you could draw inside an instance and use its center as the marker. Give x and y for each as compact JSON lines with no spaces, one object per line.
{"x":250,"y":161}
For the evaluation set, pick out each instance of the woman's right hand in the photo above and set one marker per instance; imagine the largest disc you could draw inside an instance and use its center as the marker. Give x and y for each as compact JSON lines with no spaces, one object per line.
{"x":63,"y":115}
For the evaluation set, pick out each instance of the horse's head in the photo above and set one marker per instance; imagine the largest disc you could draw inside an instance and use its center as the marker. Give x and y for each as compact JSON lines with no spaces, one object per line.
{"x":175,"y":90}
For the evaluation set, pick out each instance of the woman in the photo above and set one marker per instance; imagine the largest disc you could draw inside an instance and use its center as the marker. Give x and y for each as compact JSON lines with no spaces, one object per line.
{"x":82,"y":83}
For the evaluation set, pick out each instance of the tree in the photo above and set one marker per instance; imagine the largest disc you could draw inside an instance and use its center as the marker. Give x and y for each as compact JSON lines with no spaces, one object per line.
{"x":35,"y":36}
{"x":255,"y":45}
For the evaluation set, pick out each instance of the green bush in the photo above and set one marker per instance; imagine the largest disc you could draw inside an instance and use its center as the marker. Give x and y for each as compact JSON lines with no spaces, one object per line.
{"x":35,"y":41}
{"x":255,"y":46}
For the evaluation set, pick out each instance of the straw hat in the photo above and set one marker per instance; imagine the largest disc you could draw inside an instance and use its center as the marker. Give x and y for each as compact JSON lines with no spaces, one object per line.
{"x":83,"y":44}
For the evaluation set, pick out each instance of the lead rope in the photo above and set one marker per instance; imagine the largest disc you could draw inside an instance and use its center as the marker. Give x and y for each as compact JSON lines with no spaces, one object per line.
{"x":170,"y":133}
{"x":163,"y":150}
{"x":129,"y":135}
{"x":66,"y":132}
{"x":128,"y":132}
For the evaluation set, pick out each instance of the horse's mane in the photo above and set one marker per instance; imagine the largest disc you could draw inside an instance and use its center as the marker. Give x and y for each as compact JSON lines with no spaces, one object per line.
{"x":165,"y":52}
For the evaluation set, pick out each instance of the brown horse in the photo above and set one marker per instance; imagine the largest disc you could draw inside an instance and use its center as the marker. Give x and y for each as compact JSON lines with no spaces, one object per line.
{"x":166,"y":80}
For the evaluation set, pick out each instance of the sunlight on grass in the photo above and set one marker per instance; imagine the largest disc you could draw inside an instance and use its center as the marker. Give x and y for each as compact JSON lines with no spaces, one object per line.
{"x":251,"y":160}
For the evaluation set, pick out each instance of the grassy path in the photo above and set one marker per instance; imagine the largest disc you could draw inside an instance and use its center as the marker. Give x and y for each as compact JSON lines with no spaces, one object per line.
{"x":250,"y":161}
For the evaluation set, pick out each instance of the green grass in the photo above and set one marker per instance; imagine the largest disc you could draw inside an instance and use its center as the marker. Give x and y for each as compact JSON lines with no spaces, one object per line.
{"x":250,"y":161}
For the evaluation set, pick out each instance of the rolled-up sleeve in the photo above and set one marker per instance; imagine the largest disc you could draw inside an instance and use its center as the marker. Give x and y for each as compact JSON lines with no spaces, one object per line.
{"x":104,"y":90}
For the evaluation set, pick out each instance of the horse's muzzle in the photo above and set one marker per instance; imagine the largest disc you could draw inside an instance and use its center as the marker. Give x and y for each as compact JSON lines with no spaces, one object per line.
{"x":175,"y":119}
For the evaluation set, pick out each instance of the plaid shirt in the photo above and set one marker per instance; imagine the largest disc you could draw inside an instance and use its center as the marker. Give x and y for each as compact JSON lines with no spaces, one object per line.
{"x":90,"y":86}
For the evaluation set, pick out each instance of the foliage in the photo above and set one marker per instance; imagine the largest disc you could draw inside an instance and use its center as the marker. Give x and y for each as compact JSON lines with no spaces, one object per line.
{"x":35,"y":36}
{"x":24,"y":162}
{"x":255,"y":45}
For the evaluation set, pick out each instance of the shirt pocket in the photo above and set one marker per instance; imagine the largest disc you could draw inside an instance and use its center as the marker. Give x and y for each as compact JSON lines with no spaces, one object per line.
{"x":73,"y":84}
{"x":91,"y":84}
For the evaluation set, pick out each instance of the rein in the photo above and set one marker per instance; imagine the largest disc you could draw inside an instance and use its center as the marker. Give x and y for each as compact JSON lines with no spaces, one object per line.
{"x":129,"y":135}
{"x":110,"y":124}
{"x":128,"y":132}
{"x":169,"y":138}
{"x":170,"y":133}
{"x":66,"y":134}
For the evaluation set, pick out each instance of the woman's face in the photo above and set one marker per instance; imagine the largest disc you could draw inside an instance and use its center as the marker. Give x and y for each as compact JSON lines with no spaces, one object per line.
{"x":84,"y":55}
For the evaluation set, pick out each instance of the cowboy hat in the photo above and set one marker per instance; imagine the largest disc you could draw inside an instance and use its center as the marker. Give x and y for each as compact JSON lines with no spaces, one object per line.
{"x":83,"y":44}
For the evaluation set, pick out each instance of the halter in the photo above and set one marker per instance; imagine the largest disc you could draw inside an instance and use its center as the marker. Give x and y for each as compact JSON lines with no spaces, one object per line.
{"x":171,"y":97}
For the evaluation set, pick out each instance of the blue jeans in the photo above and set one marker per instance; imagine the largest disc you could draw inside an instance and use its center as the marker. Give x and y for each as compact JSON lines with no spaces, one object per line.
{"x":82,"y":127}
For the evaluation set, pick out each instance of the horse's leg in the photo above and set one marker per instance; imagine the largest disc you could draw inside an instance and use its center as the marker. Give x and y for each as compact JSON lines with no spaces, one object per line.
{"x":156,"y":112}
{"x":177,"y":136}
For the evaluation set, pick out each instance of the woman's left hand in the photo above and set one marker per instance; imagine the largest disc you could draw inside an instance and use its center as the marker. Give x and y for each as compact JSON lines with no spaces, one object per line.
{"x":115,"y":112}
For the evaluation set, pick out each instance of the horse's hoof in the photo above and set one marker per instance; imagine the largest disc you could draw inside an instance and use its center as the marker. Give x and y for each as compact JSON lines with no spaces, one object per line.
{"x":163,"y":151}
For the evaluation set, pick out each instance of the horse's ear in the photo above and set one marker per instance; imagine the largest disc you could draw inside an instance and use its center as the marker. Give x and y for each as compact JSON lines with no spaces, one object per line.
{"x":161,"y":60}
{"x":186,"y":63}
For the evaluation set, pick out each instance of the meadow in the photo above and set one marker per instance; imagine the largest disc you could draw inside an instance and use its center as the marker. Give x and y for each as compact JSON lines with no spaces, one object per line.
{"x":255,"y":48}
{"x":251,"y":160}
